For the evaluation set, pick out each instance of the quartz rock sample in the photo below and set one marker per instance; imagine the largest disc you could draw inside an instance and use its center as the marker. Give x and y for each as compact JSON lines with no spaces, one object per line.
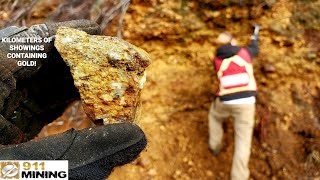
{"x":109,"y":73}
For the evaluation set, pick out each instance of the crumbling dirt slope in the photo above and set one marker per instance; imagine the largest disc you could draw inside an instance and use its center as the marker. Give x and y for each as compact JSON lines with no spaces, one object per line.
{"x":181,"y":84}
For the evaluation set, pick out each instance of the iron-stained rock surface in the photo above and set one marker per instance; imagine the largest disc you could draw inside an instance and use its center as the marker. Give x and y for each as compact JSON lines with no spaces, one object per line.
{"x":109,"y":73}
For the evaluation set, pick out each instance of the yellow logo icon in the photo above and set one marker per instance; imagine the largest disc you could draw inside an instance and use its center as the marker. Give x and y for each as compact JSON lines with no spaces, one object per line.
{"x":9,"y":170}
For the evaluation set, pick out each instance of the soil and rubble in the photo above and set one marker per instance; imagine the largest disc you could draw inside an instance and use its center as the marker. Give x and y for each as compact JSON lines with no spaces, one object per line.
{"x":181,"y":83}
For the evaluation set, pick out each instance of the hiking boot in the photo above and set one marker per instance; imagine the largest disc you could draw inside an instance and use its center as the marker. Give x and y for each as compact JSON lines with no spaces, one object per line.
{"x":215,"y":151}
{"x":92,"y":152}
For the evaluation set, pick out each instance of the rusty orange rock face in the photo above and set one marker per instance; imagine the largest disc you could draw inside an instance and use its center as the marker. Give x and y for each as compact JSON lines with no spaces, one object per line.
{"x":109,"y":73}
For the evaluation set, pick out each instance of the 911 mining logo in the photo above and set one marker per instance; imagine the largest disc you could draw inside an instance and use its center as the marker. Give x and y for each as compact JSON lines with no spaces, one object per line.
{"x":9,"y":170}
{"x":36,"y":170}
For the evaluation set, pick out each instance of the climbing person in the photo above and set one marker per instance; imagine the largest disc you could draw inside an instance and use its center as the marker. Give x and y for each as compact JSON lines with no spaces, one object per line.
{"x":235,"y":97}
{"x":33,"y":96}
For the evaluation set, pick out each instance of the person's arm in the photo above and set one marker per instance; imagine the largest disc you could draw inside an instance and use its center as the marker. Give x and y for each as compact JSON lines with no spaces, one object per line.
{"x":253,"y":47}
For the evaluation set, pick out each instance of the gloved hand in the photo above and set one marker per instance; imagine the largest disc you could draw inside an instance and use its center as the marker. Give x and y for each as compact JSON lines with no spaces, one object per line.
{"x":31,"y":97}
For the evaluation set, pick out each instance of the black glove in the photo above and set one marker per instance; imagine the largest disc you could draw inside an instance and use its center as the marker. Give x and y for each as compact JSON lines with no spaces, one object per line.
{"x":31,"y":97}
{"x":92,"y":152}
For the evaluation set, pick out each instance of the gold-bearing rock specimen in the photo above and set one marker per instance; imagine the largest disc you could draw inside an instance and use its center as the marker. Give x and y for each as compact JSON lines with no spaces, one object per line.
{"x":108,"y":72}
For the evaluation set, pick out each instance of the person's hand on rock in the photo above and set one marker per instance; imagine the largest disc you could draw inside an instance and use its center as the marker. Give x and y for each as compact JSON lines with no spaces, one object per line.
{"x":33,"y":96}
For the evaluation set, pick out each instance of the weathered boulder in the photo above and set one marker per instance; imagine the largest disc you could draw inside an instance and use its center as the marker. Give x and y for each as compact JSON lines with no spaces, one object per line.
{"x":109,"y":73}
